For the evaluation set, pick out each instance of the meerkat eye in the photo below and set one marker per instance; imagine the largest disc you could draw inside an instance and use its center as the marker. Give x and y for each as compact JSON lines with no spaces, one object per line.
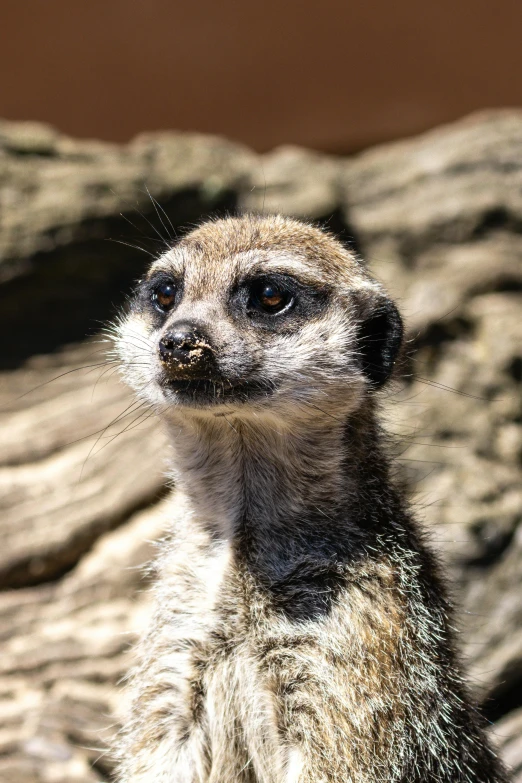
{"x":164,"y":296}
{"x":269,"y":297}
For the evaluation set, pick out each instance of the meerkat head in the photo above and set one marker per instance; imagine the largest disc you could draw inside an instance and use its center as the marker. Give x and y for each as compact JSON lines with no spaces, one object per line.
{"x":258,"y":313}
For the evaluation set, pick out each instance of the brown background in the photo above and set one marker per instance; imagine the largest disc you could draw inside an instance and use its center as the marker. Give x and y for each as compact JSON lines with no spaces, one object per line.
{"x":333,"y":75}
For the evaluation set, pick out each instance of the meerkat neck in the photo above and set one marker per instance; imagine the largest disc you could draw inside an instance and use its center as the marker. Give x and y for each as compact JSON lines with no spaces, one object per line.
{"x":236,"y":471}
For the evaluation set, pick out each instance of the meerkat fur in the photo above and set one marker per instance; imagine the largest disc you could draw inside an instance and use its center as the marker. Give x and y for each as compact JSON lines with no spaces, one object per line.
{"x":301,"y":631}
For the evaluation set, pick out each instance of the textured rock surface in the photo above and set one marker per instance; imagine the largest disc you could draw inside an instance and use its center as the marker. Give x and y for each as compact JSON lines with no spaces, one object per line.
{"x":438,"y":218}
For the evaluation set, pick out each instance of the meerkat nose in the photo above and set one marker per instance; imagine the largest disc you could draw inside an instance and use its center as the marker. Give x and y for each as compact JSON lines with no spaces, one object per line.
{"x":184,"y":348}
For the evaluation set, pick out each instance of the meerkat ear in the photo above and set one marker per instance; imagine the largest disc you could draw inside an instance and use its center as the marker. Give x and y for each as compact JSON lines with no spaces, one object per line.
{"x":380,"y":338}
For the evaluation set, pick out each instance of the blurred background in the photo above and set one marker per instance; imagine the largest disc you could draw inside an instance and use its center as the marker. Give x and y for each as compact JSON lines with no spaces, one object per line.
{"x":396,"y":126}
{"x":334,"y":75}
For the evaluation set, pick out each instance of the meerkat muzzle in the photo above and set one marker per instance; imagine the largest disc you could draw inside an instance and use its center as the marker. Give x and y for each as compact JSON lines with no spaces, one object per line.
{"x":185,"y":352}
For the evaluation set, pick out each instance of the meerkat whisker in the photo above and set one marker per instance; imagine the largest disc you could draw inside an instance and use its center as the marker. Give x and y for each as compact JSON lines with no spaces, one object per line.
{"x":133,"y":246}
{"x":158,"y":207}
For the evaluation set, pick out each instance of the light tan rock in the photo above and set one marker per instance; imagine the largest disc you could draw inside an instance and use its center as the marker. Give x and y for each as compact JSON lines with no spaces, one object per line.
{"x":81,"y":500}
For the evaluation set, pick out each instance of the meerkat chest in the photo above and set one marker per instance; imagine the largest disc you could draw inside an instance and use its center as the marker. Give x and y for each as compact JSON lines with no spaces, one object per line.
{"x":209,"y":652}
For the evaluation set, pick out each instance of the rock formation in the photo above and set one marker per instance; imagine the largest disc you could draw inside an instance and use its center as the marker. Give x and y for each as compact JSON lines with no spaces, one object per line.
{"x":438,"y":218}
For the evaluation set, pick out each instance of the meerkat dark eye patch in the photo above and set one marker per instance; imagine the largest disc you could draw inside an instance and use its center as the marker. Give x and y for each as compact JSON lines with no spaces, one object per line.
{"x":380,"y":338}
{"x":277,"y":301}
{"x":164,"y":295}
{"x":270,"y":297}
{"x":161,"y":291}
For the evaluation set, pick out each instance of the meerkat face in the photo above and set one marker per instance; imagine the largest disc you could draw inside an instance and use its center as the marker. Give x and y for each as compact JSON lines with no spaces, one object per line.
{"x":250,"y":313}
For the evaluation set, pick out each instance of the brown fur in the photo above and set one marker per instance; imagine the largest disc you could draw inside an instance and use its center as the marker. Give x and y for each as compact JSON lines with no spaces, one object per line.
{"x":301,"y":631}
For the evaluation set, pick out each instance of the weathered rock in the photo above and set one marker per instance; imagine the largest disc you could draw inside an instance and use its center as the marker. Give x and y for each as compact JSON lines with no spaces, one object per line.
{"x":55,"y":191}
{"x":508,"y":734}
{"x":63,"y":655}
{"x":64,"y":477}
{"x":439,"y":219}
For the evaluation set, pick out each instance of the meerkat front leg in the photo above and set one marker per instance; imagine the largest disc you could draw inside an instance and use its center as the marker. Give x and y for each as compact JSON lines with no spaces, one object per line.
{"x":165,"y":744}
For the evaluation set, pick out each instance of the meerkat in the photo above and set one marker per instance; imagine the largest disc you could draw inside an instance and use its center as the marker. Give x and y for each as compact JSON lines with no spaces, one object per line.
{"x":301,"y":631}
